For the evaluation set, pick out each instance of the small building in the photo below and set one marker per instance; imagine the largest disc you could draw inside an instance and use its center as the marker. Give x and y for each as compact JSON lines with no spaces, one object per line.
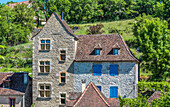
{"x":91,"y":96}
{"x":15,"y":89}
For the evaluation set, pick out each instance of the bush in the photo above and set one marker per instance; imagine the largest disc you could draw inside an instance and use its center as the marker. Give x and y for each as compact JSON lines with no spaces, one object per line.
{"x":150,"y":86}
{"x":95,"y":29}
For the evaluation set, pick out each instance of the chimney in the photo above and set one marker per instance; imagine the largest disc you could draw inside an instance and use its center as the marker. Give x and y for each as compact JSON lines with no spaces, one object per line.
{"x":62,"y":15}
{"x":25,"y":78}
{"x":83,"y":85}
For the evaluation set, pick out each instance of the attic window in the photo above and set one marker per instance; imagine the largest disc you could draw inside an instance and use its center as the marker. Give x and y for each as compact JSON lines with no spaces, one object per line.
{"x":115,"y":51}
{"x":62,"y":55}
{"x":97,"y":51}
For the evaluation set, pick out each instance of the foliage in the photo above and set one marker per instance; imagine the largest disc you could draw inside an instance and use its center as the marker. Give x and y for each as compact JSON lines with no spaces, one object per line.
{"x":95,"y":29}
{"x":15,"y":24}
{"x":153,"y":39}
{"x":140,"y":101}
{"x":163,"y":101}
{"x":151,"y":86}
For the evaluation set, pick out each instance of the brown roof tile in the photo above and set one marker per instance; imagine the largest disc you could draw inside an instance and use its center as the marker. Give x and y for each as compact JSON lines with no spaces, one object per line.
{"x":3,"y":76}
{"x":4,"y":91}
{"x":63,"y":22}
{"x":14,"y":4}
{"x":114,"y":102}
{"x":86,"y":44}
{"x":155,"y":95}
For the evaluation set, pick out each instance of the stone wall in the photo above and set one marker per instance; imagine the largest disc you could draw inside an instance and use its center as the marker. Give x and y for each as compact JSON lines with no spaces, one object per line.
{"x":126,"y":80}
{"x":60,"y":39}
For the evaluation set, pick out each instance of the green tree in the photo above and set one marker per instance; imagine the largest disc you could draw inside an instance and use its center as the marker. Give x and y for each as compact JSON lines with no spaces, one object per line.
{"x":153,"y":39}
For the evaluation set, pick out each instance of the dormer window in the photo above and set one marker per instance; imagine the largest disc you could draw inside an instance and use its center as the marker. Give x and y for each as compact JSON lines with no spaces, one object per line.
{"x":115,"y":51}
{"x":97,"y":51}
{"x":6,"y":84}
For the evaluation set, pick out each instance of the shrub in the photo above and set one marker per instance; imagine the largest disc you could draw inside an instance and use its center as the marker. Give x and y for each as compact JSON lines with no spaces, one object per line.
{"x":95,"y":29}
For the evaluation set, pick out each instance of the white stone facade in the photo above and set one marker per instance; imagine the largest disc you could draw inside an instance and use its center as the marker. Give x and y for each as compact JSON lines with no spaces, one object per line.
{"x":126,"y":79}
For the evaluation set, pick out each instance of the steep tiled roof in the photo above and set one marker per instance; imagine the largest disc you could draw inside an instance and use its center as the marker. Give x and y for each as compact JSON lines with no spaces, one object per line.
{"x":3,"y":76}
{"x":87,"y":43}
{"x":91,"y":96}
{"x":14,"y":4}
{"x":63,"y":22}
{"x":16,"y":83}
{"x":155,"y":95}
{"x":4,"y":91}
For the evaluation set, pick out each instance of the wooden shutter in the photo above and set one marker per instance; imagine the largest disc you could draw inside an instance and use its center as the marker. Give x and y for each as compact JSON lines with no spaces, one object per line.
{"x":114,"y":70}
{"x":113,"y":92}
{"x":96,"y":70}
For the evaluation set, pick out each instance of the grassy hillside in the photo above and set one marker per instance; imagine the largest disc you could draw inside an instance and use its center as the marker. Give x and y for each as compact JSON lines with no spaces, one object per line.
{"x":18,"y":58}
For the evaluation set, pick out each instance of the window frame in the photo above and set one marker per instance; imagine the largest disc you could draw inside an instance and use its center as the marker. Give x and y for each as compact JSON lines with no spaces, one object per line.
{"x":45,"y":44}
{"x":117,"y":91}
{"x":63,"y":98}
{"x":62,"y":54}
{"x":44,"y":90}
{"x":117,"y":71}
{"x":96,"y":52}
{"x":114,"y":51}
{"x":45,"y":65}
{"x":100,"y":70}
{"x":10,"y":101}
{"x":63,"y":76}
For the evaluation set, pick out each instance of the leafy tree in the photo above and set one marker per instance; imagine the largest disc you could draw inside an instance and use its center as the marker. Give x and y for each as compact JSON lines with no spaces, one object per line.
{"x":153,"y":39}
{"x":95,"y":29}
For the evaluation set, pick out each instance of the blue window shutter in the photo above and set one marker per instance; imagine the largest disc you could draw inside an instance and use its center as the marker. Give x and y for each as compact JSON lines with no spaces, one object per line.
{"x":42,"y":41}
{"x":114,"y":70}
{"x":99,"y":87}
{"x":113,"y":92}
{"x":96,"y":70}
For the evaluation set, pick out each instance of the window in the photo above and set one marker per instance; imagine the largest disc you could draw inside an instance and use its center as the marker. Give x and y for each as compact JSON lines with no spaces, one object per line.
{"x":115,"y":51}
{"x":63,"y":77}
{"x":99,"y":87}
{"x":62,"y":55}
{"x":12,"y":102}
{"x":6,"y":85}
{"x":63,"y":98}
{"x":96,"y":70}
{"x":45,"y":45}
{"x":114,"y":70}
{"x":113,"y":92}
{"x":97,"y":51}
{"x":44,"y":90}
{"x":44,"y":66}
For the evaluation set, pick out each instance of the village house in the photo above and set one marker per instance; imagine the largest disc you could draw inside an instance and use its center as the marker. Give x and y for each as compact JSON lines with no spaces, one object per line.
{"x":15,"y":89}
{"x":65,"y":63}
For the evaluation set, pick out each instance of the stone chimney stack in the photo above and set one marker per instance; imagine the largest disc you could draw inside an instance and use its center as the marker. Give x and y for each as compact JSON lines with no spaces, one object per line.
{"x":83,"y":85}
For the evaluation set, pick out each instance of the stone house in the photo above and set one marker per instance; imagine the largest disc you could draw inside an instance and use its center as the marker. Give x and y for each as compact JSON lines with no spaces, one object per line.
{"x":15,"y":90}
{"x":64,"y":62}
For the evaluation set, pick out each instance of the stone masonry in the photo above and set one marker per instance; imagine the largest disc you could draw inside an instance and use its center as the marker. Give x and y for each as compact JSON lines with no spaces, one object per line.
{"x":60,"y":39}
{"x":126,"y":80}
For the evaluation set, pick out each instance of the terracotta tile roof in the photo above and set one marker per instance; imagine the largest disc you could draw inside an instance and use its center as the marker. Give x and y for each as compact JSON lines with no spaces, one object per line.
{"x":4,"y":91}
{"x":114,"y":102}
{"x":87,"y":43}
{"x":4,"y":75}
{"x":155,"y":95}
{"x":14,"y":4}
{"x":92,"y":97}
{"x":16,"y":83}
{"x":63,"y":22}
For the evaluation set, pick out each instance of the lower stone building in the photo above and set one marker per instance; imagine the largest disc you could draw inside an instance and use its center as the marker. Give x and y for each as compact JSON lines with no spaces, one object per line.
{"x":15,"y":90}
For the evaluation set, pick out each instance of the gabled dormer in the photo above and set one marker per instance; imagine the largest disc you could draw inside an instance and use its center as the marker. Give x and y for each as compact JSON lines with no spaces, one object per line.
{"x":116,"y":49}
{"x":97,"y":49}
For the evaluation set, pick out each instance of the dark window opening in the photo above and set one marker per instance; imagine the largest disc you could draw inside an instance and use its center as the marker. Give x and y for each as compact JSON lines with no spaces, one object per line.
{"x":12,"y":102}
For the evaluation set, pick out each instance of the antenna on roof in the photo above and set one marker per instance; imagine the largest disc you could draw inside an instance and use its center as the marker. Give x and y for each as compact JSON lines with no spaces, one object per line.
{"x":62,"y":15}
